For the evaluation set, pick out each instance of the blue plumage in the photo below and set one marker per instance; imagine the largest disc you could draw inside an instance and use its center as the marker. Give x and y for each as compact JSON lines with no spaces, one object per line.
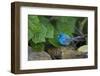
{"x":64,"y":39}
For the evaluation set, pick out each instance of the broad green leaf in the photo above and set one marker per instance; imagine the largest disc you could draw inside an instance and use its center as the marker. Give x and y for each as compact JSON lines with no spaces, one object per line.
{"x":65,"y":24}
{"x":36,"y":31}
{"x":34,"y":23}
{"x":33,"y":26}
{"x":54,"y":40}
{"x":39,"y":37}
{"x":37,"y":47}
{"x":50,"y":29}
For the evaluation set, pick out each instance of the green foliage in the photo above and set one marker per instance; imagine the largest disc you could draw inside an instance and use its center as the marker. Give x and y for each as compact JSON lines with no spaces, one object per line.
{"x":39,"y":28}
{"x":43,"y":29}
{"x":39,"y":36}
{"x":33,"y":26}
{"x":50,"y":29}
{"x":37,"y":47}
{"x":54,"y":40}
{"x":65,"y":24}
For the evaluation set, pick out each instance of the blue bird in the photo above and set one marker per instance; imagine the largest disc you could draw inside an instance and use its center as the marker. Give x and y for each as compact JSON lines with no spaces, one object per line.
{"x":64,"y":39}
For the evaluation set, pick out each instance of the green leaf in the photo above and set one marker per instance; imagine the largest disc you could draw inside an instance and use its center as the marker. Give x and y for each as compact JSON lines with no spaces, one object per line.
{"x":36,"y":31}
{"x":33,"y":26}
{"x":50,"y":29}
{"x":54,"y":40}
{"x":39,"y":37}
{"x":34,"y":23}
{"x":65,"y":24}
{"x":37,"y":47}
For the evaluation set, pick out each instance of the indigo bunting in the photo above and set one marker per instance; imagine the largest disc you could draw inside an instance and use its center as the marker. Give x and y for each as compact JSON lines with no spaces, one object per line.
{"x":64,"y":39}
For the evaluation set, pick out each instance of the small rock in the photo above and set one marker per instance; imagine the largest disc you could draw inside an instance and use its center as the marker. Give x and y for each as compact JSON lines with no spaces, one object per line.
{"x":55,"y":53}
{"x":69,"y":53}
{"x":83,"y":49}
{"x":63,"y":53}
{"x":33,"y":55}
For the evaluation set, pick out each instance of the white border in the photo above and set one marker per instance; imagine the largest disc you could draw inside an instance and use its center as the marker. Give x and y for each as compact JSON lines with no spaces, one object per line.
{"x":25,"y":64}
